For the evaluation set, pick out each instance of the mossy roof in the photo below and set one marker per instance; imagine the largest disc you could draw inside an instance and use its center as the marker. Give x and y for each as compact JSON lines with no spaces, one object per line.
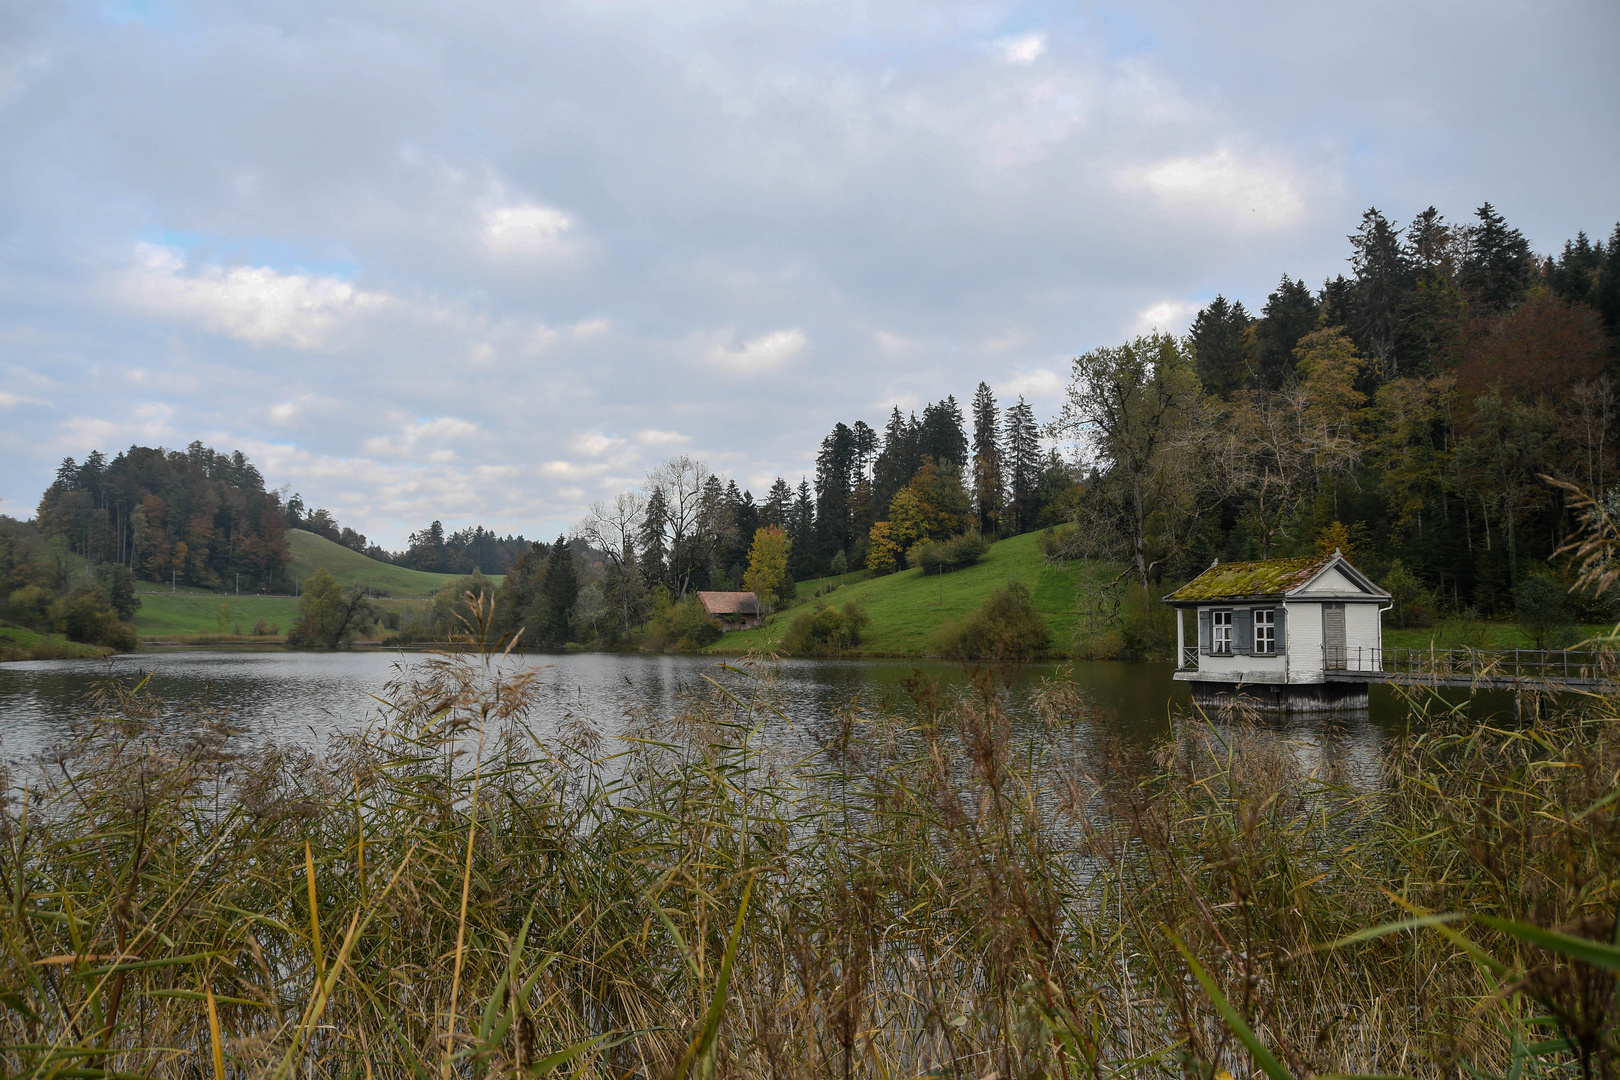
{"x":1250,"y":580}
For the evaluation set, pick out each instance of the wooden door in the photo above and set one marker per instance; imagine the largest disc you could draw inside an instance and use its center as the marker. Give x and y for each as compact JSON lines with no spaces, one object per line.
{"x":1333,"y":650}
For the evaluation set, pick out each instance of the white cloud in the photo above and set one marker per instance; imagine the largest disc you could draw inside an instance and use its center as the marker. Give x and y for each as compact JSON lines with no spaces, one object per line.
{"x":1165,"y":317}
{"x":595,"y":444}
{"x":255,"y":304}
{"x":430,"y":432}
{"x":1257,"y":194}
{"x":1036,"y":383}
{"x":655,"y":437}
{"x":1020,"y":50}
{"x":764,"y":353}
{"x":526,"y":229}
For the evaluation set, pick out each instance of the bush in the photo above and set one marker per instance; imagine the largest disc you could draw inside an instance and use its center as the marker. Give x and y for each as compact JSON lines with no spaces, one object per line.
{"x":1542,"y":608}
{"x":89,"y":617}
{"x":682,"y":627}
{"x":1410,"y":603}
{"x":1006,"y":627}
{"x":826,"y":631}
{"x":934,"y":556}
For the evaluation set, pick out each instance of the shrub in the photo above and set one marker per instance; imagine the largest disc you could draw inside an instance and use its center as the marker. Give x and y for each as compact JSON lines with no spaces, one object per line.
{"x":1542,"y":608}
{"x":683,"y":626}
{"x":1006,"y":627}
{"x":933,"y":556}
{"x":88,"y":617}
{"x":1410,"y":603}
{"x":826,"y":630}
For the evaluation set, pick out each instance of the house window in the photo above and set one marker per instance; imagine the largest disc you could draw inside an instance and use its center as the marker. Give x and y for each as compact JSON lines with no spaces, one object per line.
{"x":1265,"y":631}
{"x":1221,"y":622}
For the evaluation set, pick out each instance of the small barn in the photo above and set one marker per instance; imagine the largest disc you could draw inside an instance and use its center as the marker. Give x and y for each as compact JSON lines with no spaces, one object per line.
{"x":735,"y":610}
{"x":1289,"y":635}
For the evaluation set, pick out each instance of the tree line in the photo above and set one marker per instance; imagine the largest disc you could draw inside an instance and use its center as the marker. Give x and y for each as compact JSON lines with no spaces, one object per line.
{"x":1410,"y":408}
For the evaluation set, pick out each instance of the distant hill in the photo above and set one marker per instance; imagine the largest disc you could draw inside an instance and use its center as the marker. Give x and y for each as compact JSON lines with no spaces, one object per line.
{"x":311,"y":552}
{"x":908,"y":608}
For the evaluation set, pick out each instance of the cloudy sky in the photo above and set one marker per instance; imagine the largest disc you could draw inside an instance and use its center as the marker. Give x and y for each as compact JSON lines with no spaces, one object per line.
{"x":487,"y":262}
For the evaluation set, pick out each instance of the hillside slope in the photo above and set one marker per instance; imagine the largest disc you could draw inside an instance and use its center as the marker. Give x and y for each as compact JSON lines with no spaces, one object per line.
{"x":907,"y":609}
{"x":311,"y":552}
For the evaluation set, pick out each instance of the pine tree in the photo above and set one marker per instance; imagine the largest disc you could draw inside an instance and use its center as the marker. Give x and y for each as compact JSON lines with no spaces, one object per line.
{"x":778,"y":508}
{"x":654,"y":541}
{"x":836,"y":471}
{"x":1498,"y":268}
{"x":1290,"y":313}
{"x":897,"y":462}
{"x":1022,"y":454}
{"x":802,"y":532}
{"x":559,"y":589}
{"x":942,"y":437}
{"x":1220,"y":336}
{"x":1384,"y":281}
{"x":987,"y":468}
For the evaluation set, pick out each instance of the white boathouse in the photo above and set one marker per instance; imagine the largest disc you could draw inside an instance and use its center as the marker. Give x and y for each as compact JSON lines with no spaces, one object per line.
{"x":1286,"y":635}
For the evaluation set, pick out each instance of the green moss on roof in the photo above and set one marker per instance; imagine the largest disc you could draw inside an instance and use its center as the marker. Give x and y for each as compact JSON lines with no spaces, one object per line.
{"x":1241,"y":580}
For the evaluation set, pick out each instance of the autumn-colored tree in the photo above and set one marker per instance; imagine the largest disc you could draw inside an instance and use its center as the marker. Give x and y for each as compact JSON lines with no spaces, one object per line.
{"x":767,"y":576}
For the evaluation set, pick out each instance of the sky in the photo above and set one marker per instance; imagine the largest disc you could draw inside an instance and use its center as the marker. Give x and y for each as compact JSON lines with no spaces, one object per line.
{"x":489,"y":262}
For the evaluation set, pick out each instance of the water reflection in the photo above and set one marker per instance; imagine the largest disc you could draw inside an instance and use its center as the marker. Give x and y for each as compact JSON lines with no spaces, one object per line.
{"x":306,"y":697}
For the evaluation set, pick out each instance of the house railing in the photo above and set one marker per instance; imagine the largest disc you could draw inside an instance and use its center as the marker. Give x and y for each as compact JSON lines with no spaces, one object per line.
{"x":1457,"y":665}
{"x":1189,"y":658}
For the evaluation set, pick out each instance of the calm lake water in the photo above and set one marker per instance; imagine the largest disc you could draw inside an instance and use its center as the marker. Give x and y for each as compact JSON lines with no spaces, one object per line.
{"x":304,"y":697}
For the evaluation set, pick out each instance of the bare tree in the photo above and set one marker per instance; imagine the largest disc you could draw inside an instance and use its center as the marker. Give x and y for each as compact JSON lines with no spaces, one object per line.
{"x":681,"y":481}
{"x":611,"y":528}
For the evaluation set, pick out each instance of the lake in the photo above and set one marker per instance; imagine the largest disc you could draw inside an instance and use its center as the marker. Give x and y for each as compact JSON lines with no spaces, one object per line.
{"x":304,"y":697}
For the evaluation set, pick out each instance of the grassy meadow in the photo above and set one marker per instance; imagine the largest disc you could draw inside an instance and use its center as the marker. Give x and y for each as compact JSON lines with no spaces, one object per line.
{"x":16,"y":643}
{"x":908,"y":608}
{"x":311,"y":552}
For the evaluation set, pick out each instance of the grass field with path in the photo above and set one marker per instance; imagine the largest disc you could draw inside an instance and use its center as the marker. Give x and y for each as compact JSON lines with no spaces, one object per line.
{"x":908,"y":608}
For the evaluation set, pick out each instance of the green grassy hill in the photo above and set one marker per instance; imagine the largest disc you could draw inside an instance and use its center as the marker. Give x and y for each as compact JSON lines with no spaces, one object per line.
{"x":311,"y":552}
{"x":907,"y":609}
{"x":189,"y":612}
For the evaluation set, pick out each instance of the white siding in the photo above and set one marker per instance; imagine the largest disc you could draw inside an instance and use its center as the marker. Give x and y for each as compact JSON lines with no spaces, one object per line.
{"x":1304,"y":642}
{"x":1363,"y":634}
{"x":1333,"y":582}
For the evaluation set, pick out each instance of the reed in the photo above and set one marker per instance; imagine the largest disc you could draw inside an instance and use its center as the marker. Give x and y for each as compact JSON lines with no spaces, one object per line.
{"x":973,"y":887}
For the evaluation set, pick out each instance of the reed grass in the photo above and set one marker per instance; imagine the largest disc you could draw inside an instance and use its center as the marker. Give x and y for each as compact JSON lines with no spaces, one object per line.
{"x":975,"y":887}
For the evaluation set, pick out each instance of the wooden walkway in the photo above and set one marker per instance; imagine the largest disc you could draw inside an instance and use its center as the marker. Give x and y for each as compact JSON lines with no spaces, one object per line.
{"x":1544,"y":670}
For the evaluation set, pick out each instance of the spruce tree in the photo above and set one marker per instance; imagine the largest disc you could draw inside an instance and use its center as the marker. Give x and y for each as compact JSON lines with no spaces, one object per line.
{"x":654,"y":540}
{"x":1498,"y":268}
{"x":1022,"y":453}
{"x":778,"y":508}
{"x":896,"y":463}
{"x":1290,"y":313}
{"x":1384,"y":281}
{"x":1220,"y":336}
{"x":559,"y":589}
{"x":987,"y":470}
{"x":803,"y":531}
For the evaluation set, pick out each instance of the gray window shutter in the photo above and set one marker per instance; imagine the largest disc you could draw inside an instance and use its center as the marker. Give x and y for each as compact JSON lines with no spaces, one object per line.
{"x":1243,"y":631}
{"x":1203,"y":631}
{"x":1281,"y":618}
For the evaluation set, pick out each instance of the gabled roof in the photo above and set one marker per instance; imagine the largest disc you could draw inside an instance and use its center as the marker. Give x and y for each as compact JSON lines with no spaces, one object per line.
{"x":1273,"y":579}
{"x":729,"y":603}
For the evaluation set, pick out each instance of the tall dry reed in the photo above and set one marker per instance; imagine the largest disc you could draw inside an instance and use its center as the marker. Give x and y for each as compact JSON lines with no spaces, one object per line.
{"x":965,"y":889}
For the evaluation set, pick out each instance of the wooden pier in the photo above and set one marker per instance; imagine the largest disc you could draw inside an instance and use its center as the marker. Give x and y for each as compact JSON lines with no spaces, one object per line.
{"x":1539,"y":670}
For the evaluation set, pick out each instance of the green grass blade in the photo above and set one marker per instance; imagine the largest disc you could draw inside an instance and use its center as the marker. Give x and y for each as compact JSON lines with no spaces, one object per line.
{"x":1593,"y":952}
{"x":1262,"y":1057}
